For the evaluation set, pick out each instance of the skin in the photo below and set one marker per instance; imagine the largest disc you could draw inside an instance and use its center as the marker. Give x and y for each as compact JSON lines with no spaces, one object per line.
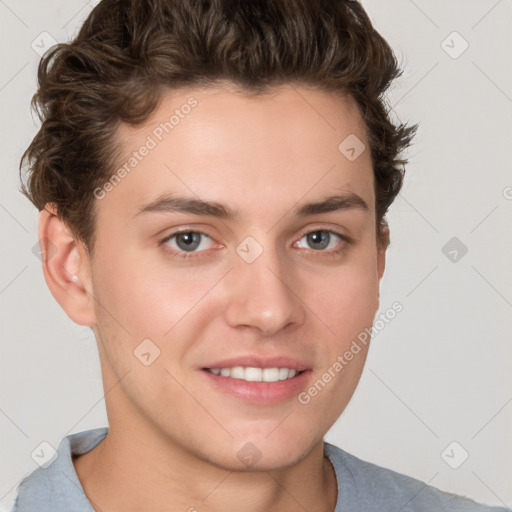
{"x":173,"y":438}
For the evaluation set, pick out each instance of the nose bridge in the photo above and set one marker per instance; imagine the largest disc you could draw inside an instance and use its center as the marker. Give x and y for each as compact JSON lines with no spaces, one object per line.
{"x":260,"y":290}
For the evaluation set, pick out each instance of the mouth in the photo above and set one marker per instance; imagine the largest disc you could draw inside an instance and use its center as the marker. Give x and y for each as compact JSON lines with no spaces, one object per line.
{"x":256,"y":385}
{"x":255,"y":374}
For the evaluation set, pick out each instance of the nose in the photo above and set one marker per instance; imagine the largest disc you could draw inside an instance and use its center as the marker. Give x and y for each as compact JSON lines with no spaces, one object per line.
{"x":263,"y":295}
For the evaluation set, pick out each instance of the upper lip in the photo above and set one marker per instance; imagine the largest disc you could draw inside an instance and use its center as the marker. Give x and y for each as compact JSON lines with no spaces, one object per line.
{"x":260,"y":362}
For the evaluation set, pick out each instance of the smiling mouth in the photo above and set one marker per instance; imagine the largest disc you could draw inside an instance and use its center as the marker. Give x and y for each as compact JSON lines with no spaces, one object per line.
{"x":253,"y":374}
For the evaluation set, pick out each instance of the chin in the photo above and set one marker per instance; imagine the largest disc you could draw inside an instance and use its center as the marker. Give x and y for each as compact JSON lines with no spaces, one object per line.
{"x":252,"y":453}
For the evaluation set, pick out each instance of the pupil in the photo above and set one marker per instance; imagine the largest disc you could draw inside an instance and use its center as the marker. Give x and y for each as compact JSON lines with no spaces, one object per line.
{"x":191,"y":240}
{"x":319,"y":237}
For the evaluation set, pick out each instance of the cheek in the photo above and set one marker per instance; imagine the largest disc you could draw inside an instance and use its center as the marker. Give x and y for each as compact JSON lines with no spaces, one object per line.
{"x":135,"y":301}
{"x":346,"y":300}
{"x":347,"y":303}
{"x":140,"y":297}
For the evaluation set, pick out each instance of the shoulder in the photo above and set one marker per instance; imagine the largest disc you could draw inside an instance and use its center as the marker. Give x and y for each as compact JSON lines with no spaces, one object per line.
{"x":54,"y":485}
{"x":366,"y":486}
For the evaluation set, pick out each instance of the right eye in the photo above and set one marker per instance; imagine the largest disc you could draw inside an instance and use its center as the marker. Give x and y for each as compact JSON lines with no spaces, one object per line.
{"x":183,"y":242}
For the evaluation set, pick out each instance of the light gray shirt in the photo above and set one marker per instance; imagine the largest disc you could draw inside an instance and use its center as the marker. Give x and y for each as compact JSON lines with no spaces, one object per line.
{"x":362,"y":486}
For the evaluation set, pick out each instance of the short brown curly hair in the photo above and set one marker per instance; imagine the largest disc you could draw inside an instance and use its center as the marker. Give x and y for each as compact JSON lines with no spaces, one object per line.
{"x":129,"y":51}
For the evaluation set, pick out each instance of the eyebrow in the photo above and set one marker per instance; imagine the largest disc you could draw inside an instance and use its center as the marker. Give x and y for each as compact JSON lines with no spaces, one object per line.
{"x":171,"y":203}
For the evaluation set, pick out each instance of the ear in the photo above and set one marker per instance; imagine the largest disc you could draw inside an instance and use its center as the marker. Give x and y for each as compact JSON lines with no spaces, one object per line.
{"x":381,"y":251}
{"x":66,"y":267}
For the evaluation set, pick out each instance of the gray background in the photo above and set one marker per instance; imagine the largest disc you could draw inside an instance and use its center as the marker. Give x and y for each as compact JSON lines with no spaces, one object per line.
{"x":439,"y":372}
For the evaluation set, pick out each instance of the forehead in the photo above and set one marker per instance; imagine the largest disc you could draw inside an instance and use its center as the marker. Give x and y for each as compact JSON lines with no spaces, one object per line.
{"x":220,"y":144}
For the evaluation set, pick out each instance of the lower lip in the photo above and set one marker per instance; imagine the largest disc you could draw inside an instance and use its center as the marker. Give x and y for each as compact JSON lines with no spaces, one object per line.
{"x":261,"y":393}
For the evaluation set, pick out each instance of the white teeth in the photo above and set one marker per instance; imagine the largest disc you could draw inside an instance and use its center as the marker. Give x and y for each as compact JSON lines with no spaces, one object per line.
{"x":252,"y":374}
{"x":283,"y":373}
{"x":237,"y":372}
{"x":271,"y":374}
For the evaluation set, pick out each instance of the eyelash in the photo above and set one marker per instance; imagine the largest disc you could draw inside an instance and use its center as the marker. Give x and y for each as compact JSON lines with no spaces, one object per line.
{"x":329,"y":254}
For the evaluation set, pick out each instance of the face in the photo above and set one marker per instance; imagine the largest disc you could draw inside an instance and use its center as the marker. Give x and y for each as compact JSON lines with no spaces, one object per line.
{"x":255,"y":281}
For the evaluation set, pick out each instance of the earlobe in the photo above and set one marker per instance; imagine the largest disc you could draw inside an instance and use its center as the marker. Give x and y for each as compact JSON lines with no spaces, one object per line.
{"x":66,"y":267}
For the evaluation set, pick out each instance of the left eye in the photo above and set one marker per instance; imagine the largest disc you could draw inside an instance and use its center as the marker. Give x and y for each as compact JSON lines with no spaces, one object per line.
{"x":321,"y":239}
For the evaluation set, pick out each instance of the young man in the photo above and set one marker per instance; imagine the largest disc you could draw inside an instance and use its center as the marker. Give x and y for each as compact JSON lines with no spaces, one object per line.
{"x":213,"y":179}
